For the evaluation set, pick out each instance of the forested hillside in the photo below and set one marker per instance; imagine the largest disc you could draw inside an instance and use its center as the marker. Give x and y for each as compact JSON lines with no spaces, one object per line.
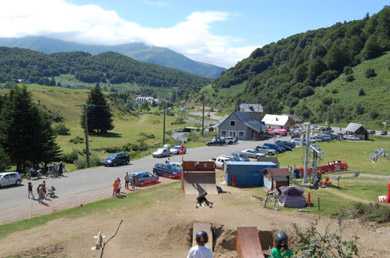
{"x":282,"y":75}
{"x":109,"y":67}
{"x":138,"y":51}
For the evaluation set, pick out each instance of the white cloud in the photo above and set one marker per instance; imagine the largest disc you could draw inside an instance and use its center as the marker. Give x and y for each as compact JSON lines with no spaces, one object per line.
{"x":90,"y":24}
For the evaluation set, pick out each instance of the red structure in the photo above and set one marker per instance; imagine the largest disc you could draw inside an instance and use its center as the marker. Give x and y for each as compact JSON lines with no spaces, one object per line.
{"x":326,"y":168}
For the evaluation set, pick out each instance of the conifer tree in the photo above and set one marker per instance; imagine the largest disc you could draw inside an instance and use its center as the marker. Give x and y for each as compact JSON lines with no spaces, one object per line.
{"x":99,"y":113}
{"x":26,"y":133}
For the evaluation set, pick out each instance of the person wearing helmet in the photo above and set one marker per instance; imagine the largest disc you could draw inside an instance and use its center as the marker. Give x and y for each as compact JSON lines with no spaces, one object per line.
{"x":200,"y":250}
{"x":202,"y":199}
{"x":281,"y":249}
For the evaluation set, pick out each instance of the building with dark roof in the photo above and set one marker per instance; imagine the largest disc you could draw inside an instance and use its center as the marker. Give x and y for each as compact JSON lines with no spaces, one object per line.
{"x":276,"y":177}
{"x":357,"y":130}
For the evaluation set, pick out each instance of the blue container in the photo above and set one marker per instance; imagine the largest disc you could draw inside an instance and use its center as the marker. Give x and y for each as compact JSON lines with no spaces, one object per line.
{"x":246,"y":173}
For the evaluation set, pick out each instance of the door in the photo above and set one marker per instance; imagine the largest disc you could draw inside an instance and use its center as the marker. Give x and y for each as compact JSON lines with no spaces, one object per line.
{"x":232,"y":133}
{"x":6,"y":180}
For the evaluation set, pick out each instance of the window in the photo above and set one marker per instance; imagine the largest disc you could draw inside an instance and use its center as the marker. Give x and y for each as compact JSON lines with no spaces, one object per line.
{"x":241,"y":134}
{"x":223,"y":133}
{"x":232,"y":123}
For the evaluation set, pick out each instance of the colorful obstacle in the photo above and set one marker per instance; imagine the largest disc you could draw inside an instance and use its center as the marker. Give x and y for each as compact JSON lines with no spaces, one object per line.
{"x":205,"y":227}
{"x":199,"y":177}
{"x":248,"y":243}
{"x":326,"y":168}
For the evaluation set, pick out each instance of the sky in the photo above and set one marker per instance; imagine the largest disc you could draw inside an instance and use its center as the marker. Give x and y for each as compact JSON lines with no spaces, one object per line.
{"x":210,"y":31}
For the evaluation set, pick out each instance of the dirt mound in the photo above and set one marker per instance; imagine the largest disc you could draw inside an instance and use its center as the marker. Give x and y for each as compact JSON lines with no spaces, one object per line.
{"x":53,"y":251}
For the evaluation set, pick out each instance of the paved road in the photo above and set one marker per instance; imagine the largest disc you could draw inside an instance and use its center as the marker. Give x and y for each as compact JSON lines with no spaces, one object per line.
{"x":83,"y":182}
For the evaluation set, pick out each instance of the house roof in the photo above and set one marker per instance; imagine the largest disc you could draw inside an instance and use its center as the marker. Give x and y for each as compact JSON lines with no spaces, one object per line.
{"x":279,"y":120}
{"x":352,"y":127}
{"x":247,"y":119}
{"x":251,"y":108}
{"x":278,"y":172}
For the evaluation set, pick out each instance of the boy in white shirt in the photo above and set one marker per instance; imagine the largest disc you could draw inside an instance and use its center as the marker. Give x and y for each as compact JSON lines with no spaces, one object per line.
{"x":200,"y":250}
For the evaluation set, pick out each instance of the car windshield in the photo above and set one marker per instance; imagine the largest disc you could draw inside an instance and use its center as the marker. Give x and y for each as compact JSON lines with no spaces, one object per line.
{"x":112,"y":156}
{"x":160,"y":150}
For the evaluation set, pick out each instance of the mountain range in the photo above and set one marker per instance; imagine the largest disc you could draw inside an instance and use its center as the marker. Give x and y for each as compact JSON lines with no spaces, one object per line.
{"x":138,"y":51}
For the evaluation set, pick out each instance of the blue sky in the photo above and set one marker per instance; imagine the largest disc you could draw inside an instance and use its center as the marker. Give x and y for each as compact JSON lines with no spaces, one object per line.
{"x":213,"y":31}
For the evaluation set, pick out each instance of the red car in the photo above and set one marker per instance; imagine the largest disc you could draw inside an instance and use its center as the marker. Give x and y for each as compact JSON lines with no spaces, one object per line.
{"x":167,"y":170}
{"x":144,"y":178}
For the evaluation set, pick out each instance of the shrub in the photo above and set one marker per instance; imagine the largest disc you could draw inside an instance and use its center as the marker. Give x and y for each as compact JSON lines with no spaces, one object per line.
{"x":370,"y":73}
{"x":362,"y":93}
{"x":114,"y":149}
{"x":81,"y":162}
{"x":178,"y":121}
{"x":70,"y":157}
{"x":349,"y":78}
{"x":61,"y":129}
{"x":77,"y":140}
{"x":347,"y":70}
{"x":371,"y":212}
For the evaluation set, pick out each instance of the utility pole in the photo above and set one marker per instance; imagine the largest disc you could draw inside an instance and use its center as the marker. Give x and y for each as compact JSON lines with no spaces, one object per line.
{"x":85,"y":106}
{"x":203,"y":117}
{"x":164,"y":123}
{"x":306,"y":153}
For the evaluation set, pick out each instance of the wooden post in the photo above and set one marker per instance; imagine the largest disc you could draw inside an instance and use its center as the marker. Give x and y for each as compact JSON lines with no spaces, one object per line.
{"x":319,"y":206}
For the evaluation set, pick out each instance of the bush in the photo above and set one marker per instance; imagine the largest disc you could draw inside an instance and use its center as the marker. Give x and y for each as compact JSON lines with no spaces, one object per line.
{"x":178,"y":121}
{"x":349,"y":78}
{"x":61,"y":129}
{"x":81,"y":162}
{"x":362,"y":93}
{"x":77,"y":140}
{"x":370,"y":73}
{"x":70,"y":157}
{"x":371,"y":212}
{"x":114,"y":149}
{"x":348,"y":70}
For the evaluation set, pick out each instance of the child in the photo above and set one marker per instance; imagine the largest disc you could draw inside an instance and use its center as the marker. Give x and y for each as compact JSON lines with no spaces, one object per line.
{"x":30,"y":190}
{"x":202,"y":199}
{"x":200,"y":250}
{"x":281,"y":249}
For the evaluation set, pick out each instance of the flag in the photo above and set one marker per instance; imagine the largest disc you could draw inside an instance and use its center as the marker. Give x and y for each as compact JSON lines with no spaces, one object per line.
{"x":181,"y":150}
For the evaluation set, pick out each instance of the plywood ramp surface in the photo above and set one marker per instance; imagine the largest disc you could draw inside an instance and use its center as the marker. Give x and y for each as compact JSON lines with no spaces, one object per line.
{"x":248,"y":243}
{"x":205,"y":227}
{"x":196,"y":182}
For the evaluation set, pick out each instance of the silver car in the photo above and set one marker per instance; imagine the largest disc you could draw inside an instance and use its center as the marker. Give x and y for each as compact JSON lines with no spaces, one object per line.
{"x":265,"y":150}
{"x":10,"y":178}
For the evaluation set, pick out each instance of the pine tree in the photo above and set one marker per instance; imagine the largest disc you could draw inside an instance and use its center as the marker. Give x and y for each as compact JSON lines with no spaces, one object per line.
{"x":26,"y":133}
{"x":99,"y":114}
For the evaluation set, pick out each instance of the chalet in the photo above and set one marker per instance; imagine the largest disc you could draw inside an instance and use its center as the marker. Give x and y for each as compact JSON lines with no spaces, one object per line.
{"x":256,"y":110}
{"x":278,"y":121}
{"x":357,"y":130}
{"x":241,"y":125}
{"x":276,"y":177}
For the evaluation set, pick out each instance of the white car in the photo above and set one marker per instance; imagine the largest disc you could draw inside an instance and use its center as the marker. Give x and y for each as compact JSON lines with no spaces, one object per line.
{"x":220,"y":161}
{"x":160,"y":153}
{"x":10,"y":178}
{"x":297,"y":141}
{"x":265,"y":150}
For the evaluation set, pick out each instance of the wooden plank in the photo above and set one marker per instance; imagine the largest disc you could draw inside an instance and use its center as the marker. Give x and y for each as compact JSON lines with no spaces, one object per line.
{"x":248,"y":243}
{"x":205,"y":227}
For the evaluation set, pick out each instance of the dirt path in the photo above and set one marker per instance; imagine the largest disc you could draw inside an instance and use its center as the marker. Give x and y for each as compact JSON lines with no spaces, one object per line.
{"x":345,"y":196}
{"x":163,"y":228}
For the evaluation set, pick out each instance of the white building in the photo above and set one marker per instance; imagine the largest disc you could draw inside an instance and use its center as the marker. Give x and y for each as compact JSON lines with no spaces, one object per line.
{"x":150,"y":100}
{"x":278,"y":121}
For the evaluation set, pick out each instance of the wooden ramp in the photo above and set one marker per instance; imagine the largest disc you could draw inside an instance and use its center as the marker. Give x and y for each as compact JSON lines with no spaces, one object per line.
{"x":197,"y":182}
{"x":248,"y":243}
{"x":205,"y":227}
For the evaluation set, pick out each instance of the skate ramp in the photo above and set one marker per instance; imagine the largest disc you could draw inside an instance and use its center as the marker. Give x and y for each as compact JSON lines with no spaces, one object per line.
{"x":196,"y":182}
{"x":205,"y":227}
{"x":248,"y":243}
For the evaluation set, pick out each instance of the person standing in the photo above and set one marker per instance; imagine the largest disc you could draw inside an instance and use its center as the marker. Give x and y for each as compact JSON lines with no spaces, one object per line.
{"x":41,"y":193}
{"x":61,"y":168}
{"x":30,"y":190}
{"x":127,"y":181}
{"x":115,"y":188}
{"x":119,"y":184}
{"x":133,"y":181}
{"x":200,"y":250}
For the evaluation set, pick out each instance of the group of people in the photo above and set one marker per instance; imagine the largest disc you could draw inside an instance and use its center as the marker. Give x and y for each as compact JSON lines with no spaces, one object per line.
{"x":116,"y":185}
{"x":201,"y":251}
{"x":41,"y":191}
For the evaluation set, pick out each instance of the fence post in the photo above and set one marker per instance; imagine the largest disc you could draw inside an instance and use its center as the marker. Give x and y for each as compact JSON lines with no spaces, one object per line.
{"x":319,"y":206}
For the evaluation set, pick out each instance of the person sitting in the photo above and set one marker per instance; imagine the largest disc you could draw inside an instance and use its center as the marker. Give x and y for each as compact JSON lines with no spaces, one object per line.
{"x":200,"y":250}
{"x":281,"y":249}
{"x":201,"y":199}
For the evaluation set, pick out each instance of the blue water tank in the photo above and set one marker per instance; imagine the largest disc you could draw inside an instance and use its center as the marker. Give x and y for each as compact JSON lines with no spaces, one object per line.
{"x":246,"y":173}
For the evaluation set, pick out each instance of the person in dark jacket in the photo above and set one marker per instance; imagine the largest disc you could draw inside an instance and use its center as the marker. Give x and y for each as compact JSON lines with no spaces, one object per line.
{"x":201,"y":199}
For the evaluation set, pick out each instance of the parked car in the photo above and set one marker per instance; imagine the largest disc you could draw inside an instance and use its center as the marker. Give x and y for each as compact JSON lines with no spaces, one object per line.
{"x":160,"y":153}
{"x":351,"y":138}
{"x":166,"y":146}
{"x":324,"y":137}
{"x":242,"y":156}
{"x":144,"y":178}
{"x":117,"y":159}
{"x":276,"y":147}
{"x":332,"y":136}
{"x":176,"y":150}
{"x":290,"y":144}
{"x":383,"y":133}
{"x":250,"y":153}
{"x":286,"y":147}
{"x":230,"y":140}
{"x":167,"y":170}
{"x":10,"y":178}
{"x":371,"y":131}
{"x":220,"y":161}
{"x":297,"y":141}
{"x":266,"y":150}
{"x":219,"y":142}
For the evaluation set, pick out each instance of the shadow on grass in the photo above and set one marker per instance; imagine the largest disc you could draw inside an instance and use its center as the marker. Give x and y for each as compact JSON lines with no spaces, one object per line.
{"x":107,"y":135}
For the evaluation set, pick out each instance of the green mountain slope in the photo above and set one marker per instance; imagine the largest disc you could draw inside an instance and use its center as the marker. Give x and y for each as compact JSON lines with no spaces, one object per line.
{"x":138,"y":51}
{"x":109,"y":68}
{"x":283,"y":74}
